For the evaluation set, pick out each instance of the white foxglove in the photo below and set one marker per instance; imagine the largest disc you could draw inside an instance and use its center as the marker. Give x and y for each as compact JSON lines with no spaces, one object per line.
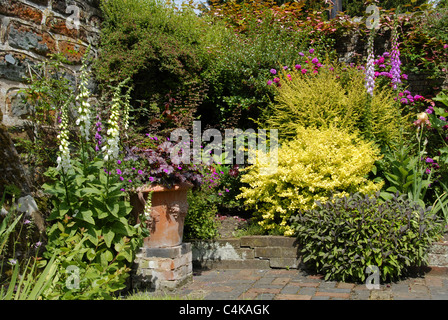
{"x":113,"y":136}
{"x":83,"y":120}
{"x":63,"y":159}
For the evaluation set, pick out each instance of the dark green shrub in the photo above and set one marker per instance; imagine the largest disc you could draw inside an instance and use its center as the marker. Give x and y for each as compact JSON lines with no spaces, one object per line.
{"x":157,"y":47}
{"x":344,"y":236}
{"x":200,"y":222}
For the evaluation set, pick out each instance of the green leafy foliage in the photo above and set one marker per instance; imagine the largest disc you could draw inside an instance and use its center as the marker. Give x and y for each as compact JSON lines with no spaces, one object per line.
{"x":93,"y":200}
{"x":30,"y":285}
{"x":21,"y":274}
{"x":48,"y":88}
{"x":156,"y":46}
{"x":85,"y":272}
{"x":343,"y":236}
{"x":200,"y":222}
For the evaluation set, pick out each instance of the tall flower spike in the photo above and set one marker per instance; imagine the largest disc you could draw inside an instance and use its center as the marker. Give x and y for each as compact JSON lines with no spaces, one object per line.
{"x":370,"y":69}
{"x":395,"y":61}
{"x":98,"y":129}
{"x":63,"y":159}
{"x":113,"y":137}
{"x":84,"y":106}
{"x":126,"y":106}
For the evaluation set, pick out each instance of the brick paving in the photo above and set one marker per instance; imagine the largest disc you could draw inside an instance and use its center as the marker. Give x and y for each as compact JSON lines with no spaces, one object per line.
{"x":281,"y":284}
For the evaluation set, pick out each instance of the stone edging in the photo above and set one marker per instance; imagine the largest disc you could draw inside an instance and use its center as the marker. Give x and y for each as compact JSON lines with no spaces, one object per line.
{"x":265,"y":252}
{"x":250,"y":252}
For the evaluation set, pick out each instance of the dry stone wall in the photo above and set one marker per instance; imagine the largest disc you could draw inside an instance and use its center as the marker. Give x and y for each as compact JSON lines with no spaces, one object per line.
{"x":30,"y":30}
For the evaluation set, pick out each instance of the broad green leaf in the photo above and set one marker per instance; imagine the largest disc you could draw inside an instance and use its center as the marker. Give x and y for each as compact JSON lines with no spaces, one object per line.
{"x":86,"y":215}
{"x":113,"y":208}
{"x":108,"y":255}
{"x":92,"y":190}
{"x":91,"y":254}
{"x":108,"y":235}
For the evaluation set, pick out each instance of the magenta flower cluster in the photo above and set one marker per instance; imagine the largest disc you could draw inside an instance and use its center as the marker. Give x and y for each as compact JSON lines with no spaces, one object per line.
{"x":312,"y":63}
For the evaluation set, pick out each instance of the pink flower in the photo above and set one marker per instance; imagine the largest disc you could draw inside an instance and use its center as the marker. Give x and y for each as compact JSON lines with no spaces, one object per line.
{"x":298,"y":66}
{"x":315,"y":60}
{"x":276,"y":80}
{"x":445,"y":46}
{"x":311,"y":51}
{"x":269,"y":82}
{"x":304,"y":71}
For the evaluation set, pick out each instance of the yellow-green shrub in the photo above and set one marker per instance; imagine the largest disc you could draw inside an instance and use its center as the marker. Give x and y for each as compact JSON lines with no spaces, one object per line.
{"x":335,"y":96}
{"x":311,"y":167}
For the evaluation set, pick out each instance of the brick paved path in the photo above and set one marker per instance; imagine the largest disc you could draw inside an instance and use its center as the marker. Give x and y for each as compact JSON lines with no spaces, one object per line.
{"x":280,"y":284}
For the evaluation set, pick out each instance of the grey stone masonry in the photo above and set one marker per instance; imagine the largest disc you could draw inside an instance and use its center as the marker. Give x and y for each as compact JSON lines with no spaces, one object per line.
{"x":271,"y":252}
{"x":30,"y":31}
{"x":162,"y":268}
{"x":438,"y":254}
{"x":261,"y":252}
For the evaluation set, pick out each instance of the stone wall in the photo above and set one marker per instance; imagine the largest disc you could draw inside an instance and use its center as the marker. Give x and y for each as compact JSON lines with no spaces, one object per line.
{"x":32,"y":29}
{"x":250,"y":252}
{"x":266,"y":252}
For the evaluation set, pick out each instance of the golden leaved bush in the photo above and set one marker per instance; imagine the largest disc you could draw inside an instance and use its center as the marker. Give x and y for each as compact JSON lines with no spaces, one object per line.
{"x":334,"y":97}
{"x":310,"y":168}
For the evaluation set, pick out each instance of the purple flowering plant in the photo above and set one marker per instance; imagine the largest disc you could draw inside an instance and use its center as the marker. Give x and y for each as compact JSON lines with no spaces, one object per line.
{"x":307,"y":65}
{"x":149,"y":161}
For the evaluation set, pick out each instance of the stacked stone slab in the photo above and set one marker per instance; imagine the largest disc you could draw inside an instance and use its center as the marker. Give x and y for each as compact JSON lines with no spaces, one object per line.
{"x":32,"y":29}
{"x":162,"y":268}
{"x":271,"y":252}
{"x":251,"y":252}
{"x":438,"y":255}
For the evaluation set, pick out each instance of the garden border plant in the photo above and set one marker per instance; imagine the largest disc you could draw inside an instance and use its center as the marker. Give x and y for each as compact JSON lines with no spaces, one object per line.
{"x":343,"y":236}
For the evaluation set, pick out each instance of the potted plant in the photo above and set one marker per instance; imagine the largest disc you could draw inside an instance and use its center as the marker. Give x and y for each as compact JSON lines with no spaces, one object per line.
{"x":158,"y":188}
